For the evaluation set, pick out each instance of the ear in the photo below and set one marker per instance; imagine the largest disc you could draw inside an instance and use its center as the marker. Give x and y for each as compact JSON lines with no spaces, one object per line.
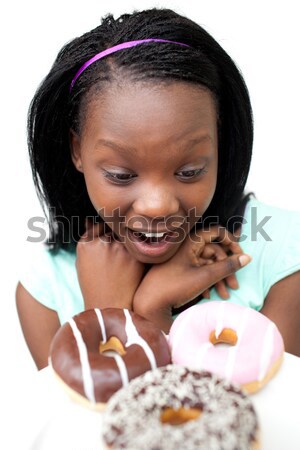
{"x":75,"y":150}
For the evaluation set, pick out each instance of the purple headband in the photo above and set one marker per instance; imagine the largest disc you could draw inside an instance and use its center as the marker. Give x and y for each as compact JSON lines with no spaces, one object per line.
{"x":114,"y":49}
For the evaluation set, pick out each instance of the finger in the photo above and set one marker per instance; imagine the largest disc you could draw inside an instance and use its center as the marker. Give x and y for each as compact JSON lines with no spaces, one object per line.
{"x":106,"y":238}
{"x":222,"y":290}
{"x":223,"y":237}
{"x":209,"y":251}
{"x":208,"y":235}
{"x":211,"y":274}
{"x":232,"y":281}
{"x":227,"y":241}
{"x":214,"y":251}
{"x":196,"y":249}
{"x":206,"y":294}
{"x":199,"y":262}
{"x":92,"y":230}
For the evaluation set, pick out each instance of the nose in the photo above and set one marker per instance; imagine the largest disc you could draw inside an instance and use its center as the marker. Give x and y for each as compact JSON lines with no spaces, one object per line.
{"x":156,"y":202}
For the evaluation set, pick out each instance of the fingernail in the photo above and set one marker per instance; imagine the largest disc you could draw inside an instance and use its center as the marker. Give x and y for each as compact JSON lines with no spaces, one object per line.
{"x":244,"y":259}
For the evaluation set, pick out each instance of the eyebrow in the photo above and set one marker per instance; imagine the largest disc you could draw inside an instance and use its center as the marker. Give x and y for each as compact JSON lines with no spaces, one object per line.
{"x":119,"y":148}
{"x":115,"y":146}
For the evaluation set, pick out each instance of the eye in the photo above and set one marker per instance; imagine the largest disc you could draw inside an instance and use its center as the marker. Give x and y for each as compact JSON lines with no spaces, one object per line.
{"x":119,"y":177}
{"x":191,"y":174}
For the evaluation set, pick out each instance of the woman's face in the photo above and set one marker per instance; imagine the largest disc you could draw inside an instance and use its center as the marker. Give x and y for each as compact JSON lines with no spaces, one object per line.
{"x":149,"y":155}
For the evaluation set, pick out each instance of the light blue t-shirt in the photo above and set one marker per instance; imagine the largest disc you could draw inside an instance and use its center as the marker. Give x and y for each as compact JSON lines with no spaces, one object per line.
{"x":270,"y":235}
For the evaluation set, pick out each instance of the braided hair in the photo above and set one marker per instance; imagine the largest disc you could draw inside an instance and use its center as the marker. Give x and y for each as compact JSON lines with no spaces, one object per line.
{"x":55,"y":110}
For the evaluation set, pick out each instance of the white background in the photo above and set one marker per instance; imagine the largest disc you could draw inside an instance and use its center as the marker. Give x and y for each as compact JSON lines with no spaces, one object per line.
{"x":262,"y":37}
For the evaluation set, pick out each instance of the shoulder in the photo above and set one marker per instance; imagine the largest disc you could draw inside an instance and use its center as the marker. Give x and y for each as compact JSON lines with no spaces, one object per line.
{"x":271,"y":235}
{"x":268,"y":228}
{"x":51,"y":278}
{"x":41,"y":261}
{"x":267,"y":222}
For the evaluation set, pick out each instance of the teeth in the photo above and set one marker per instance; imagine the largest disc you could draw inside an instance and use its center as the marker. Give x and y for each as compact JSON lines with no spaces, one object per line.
{"x":149,"y":235}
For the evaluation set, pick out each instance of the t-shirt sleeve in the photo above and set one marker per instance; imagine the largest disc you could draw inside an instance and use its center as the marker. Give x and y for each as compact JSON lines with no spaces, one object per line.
{"x":286,"y":260}
{"x":38,"y":275}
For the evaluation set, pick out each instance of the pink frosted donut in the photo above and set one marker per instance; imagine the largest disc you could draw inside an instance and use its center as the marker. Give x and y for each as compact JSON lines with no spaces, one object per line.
{"x":254,"y":347}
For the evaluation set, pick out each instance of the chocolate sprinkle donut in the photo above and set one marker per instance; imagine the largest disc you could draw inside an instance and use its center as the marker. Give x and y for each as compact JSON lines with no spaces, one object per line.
{"x":216,"y":415}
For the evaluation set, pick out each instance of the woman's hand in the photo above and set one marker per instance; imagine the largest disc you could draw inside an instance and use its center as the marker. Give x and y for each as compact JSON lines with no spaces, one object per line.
{"x":198,"y":264}
{"x":227,"y":245}
{"x":108,"y":275}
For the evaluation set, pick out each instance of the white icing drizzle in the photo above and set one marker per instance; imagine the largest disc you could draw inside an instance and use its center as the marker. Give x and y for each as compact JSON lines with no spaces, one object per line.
{"x":230,"y":362}
{"x":232,"y":352}
{"x":220,"y":320}
{"x":122,"y":368}
{"x":133,"y":337}
{"x":87,"y":380}
{"x":200,"y":355}
{"x":101,"y":323}
{"x":119,"y":360}
{"x":267,"y":350}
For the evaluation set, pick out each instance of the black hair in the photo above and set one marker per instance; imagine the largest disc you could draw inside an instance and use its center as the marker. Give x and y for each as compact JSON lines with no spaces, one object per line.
{"x":54,"y":109}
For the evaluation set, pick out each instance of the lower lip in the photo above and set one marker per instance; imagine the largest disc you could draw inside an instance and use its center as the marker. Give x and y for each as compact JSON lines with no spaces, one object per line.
{"x":153,"y":248}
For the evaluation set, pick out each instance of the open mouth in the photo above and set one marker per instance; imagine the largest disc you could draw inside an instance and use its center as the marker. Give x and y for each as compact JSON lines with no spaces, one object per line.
{"x":151,"y":238}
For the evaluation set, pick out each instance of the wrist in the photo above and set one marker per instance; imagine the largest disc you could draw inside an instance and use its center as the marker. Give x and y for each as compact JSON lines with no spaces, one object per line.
{"x":152,"y":310}
{"x":100,"y":299}
{"x":141,"y":304}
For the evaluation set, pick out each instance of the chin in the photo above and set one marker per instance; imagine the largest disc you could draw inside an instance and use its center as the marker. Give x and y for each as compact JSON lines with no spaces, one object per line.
{"x":157,"y":260}
{"x":146,"y":259}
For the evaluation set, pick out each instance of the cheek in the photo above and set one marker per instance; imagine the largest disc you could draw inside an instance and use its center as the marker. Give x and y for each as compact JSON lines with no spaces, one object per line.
{"x":107,"y":200}
{"x":210,"y":186}
{"x":200,"y":198}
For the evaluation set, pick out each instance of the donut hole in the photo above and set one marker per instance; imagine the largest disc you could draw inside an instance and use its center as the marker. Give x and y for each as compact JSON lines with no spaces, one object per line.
{"x":112,"y":346}
{"x":179,"y":416}
{"x":227,"y":337}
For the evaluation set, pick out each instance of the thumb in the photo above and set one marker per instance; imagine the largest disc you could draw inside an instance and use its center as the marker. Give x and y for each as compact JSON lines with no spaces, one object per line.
{"x":212,"y":273}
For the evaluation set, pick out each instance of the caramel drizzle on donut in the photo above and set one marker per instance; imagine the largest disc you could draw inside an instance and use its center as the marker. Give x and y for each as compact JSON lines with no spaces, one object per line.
{"x":217,"y":333}
{"x":133,"y":337}
{"x":118,"y":359}
{"x":267,"y":345}
{"x":113,"y":344}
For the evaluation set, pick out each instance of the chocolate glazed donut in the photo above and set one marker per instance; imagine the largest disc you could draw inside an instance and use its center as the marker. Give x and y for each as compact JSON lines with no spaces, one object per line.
{"x":77,"y":353}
